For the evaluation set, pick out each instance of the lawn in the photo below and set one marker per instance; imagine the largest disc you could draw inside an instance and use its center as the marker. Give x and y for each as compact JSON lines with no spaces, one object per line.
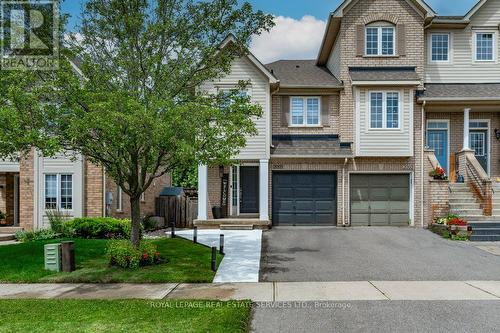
{"x":123,"y":316}
{"x":186,"y":262}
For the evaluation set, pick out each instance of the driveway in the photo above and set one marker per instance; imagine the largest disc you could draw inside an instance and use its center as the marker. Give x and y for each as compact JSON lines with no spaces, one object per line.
{"x":371,"y":254}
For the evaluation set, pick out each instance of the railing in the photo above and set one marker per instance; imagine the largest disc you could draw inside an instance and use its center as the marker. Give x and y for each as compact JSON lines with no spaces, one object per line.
{"x":480,"y":184}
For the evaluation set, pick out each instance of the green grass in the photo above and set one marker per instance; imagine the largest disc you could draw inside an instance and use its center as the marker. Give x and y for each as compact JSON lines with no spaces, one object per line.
{"x":186,"y":262}
{"x":123,"y":316}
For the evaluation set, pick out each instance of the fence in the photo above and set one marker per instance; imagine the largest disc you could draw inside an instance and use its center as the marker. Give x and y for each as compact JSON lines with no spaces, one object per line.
{"x":179,"y":209}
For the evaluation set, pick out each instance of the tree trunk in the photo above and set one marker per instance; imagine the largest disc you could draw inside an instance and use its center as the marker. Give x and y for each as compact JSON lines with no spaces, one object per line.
{"x":135,"y":208}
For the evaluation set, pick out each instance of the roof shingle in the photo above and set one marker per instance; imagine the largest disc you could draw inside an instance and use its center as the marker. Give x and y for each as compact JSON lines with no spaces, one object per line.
{"x":383,"y":74}
{"x":303,"y":74}
{"x":462,"y":91}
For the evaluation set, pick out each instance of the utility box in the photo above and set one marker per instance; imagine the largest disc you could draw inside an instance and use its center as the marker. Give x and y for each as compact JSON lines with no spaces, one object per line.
{"x":52,"y":255}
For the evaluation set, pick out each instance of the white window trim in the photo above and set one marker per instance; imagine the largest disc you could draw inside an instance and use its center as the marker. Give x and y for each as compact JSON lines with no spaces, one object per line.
{"x":379,"y":41}
{"x":304,"y":112}
{"x":58,"y":191}
{"x":119,"y":199}
{"x":488,"y":138}
{"x":450,"y":47}
{"x":494,"y":46}
{"x":384,"y":110}
{"x":143,"y":197}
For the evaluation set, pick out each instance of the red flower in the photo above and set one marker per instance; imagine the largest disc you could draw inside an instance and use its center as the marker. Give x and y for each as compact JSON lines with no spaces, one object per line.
{"x":145,"y":256}
{"x":457,"y":221}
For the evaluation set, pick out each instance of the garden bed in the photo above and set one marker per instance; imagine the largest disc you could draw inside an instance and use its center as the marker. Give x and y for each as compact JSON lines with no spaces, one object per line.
{"x":185,"y":262}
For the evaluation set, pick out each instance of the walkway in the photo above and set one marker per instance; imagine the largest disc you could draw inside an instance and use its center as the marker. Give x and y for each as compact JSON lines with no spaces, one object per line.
{"x":268,"y":291}
{"x":241,"y":262}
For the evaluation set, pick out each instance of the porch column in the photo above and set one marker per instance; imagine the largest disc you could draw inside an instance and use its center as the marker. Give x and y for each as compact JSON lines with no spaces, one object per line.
{"x":264,"y":190}
{"x":202,"y":192}
{"x":466,"y":145}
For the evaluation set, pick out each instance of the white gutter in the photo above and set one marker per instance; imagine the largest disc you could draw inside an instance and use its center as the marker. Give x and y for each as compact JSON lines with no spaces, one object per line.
{"x":385,"y":83}
{"x":343,"y":192}
{"x":422,"y":174}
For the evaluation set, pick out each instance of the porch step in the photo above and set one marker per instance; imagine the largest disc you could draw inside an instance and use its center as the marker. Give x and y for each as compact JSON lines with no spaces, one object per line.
{"x":466,"y":212}
{"x":236,"y":227}
{"x":485,"y":225}
{"x":7,"y":237}
{"x":10,"y":230}
{"x":486,"y":231}
{"x":485,"y":238}
{"x":237,"y":223}
{"x":464,"y":205}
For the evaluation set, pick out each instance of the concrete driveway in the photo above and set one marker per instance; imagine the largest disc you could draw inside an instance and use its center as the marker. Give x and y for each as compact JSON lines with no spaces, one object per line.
{"x":368,"y":254}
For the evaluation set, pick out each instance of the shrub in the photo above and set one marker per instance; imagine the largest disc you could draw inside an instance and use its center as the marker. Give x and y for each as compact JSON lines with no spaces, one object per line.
{"x":3,"y":216}
{"x":100,"y":227}
{"x":29,"y":236}
{"x":123,"y":254}
{"x":57,"y":220}
{"x":149,"y":223}
{"x":445,"y":220}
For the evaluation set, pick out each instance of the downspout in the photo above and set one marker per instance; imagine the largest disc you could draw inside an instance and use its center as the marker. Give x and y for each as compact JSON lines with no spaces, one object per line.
{"x":422,"y":165}
{"x":105,"y":206}
{"x":343,"y":192}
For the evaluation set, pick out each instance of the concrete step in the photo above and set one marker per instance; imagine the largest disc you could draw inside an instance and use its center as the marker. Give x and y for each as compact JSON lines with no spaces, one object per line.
{"x":464,"y":205}
{"x":236,"y":227}
{"x":480,"y":218}
{"x":486,"y":231}
{"x":461,"y":190}
{"x":485,"y":238}
{"x":7,"y":237}
{"x":484,"y":225}
{"x":10,"y":230}
{"x":461,"y":201}
{"x":466,"y":212}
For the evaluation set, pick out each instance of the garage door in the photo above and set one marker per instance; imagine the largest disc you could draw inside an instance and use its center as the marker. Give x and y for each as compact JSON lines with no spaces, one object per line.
{"x":304,"y":198}
{"x":378,"y":200}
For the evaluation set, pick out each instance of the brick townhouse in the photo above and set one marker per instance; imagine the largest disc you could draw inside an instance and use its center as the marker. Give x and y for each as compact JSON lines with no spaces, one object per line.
{"x":36,"y":184}
{"x":349,"y":138}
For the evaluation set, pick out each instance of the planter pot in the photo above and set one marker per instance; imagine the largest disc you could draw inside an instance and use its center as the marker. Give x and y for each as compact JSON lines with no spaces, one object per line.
{"x":459,"y":230}
{"x":217,"y":212}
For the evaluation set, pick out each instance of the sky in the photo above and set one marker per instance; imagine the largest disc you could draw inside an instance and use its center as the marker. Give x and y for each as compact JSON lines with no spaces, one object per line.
{"x":300,"y":24}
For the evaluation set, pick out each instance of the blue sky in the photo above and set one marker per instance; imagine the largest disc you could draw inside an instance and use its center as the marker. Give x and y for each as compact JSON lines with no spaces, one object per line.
{"x":298,"y":8}
{"x":300,"y":24}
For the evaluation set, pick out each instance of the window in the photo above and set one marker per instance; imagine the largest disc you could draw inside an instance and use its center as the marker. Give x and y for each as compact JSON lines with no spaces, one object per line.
{"x":440,"y":47}
{"x":119,"y":199}
{"x":66,"y":192}
{"x":384,"y":110}
{"x":50,"y":191}
{"x":235,"y":187}
{"x":59,"y":191}
{"x":380,"y":40}
{"x":305,"y":111}
{"x":477,"y":143}
{"x":484,"y":46}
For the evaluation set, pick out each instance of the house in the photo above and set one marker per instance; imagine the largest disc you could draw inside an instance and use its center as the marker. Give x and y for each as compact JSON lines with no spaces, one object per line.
{"x":349,"y":138}
{"x":35,"y":184}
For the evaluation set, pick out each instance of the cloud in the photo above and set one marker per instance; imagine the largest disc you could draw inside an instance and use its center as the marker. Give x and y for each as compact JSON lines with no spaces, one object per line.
{"x":290,"y":39}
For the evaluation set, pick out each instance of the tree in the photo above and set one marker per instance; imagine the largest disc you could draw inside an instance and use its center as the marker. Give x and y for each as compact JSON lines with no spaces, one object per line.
{"x":135,"y":106}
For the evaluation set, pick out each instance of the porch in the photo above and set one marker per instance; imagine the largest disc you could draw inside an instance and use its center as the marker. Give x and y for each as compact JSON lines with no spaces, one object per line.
{"x":9,"y":199}
{"x":234,"y":197}
{"x":462,"y":135}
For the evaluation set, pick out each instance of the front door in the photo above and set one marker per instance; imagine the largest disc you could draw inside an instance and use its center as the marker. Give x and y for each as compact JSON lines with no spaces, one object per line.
{"x":249,"y":189}
{"x":437,"y":139}
{"x":479,"y":143}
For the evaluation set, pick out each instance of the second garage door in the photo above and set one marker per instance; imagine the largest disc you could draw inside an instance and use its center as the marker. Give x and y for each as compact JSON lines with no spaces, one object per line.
{"x":380,"y":200}
{"x":304,"y":198}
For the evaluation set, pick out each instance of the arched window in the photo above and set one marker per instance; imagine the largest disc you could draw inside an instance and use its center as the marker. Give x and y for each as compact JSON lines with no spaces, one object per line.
{"x":380,"y":39}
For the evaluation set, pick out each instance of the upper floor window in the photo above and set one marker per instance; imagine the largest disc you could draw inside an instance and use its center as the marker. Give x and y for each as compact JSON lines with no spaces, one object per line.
{"x":440,"y":47}
{"x":305,"y":111}
{"x":384,"y":110}
{"x":380,"y":39}
{"x":485,"y":46}
{"x":58,"y":191}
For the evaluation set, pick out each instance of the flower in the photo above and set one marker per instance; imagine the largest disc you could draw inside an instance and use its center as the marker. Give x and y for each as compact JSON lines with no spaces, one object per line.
{"x":457,"y":221}
{"x":438,"y":173}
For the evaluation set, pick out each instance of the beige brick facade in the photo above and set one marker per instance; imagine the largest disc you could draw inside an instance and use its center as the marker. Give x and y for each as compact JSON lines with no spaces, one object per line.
{"x":7,"y":196}
{"x":147,"y":202}
{"x":93,"y":190}
{"x":27,"y":191}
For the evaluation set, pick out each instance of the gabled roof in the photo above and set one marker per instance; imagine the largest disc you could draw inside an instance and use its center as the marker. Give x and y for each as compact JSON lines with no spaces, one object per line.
{"x":474,"y":9}
{"x":303,"y":74}
{"x":420,"y":3}
{"x":333,"y":25}
{"x":272,"y":79}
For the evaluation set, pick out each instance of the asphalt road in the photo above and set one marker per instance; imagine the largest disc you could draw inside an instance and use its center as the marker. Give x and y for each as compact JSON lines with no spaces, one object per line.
{"x":372,"y":254}
{"x":378,"y":316}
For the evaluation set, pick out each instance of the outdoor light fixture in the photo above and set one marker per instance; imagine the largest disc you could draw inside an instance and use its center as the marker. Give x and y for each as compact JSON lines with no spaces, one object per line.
{"x":497,"y":133}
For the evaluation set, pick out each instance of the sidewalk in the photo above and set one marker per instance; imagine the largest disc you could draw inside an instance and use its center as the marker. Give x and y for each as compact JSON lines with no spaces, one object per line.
{"x":242,"y":248}
{"x":266,"y":291}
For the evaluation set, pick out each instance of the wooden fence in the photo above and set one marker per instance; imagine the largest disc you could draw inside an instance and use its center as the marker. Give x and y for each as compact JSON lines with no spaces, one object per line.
{"x":181,"y":210}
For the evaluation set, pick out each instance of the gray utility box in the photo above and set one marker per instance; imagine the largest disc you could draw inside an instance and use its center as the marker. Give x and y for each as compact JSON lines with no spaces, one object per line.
{"x":52,"y":255}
